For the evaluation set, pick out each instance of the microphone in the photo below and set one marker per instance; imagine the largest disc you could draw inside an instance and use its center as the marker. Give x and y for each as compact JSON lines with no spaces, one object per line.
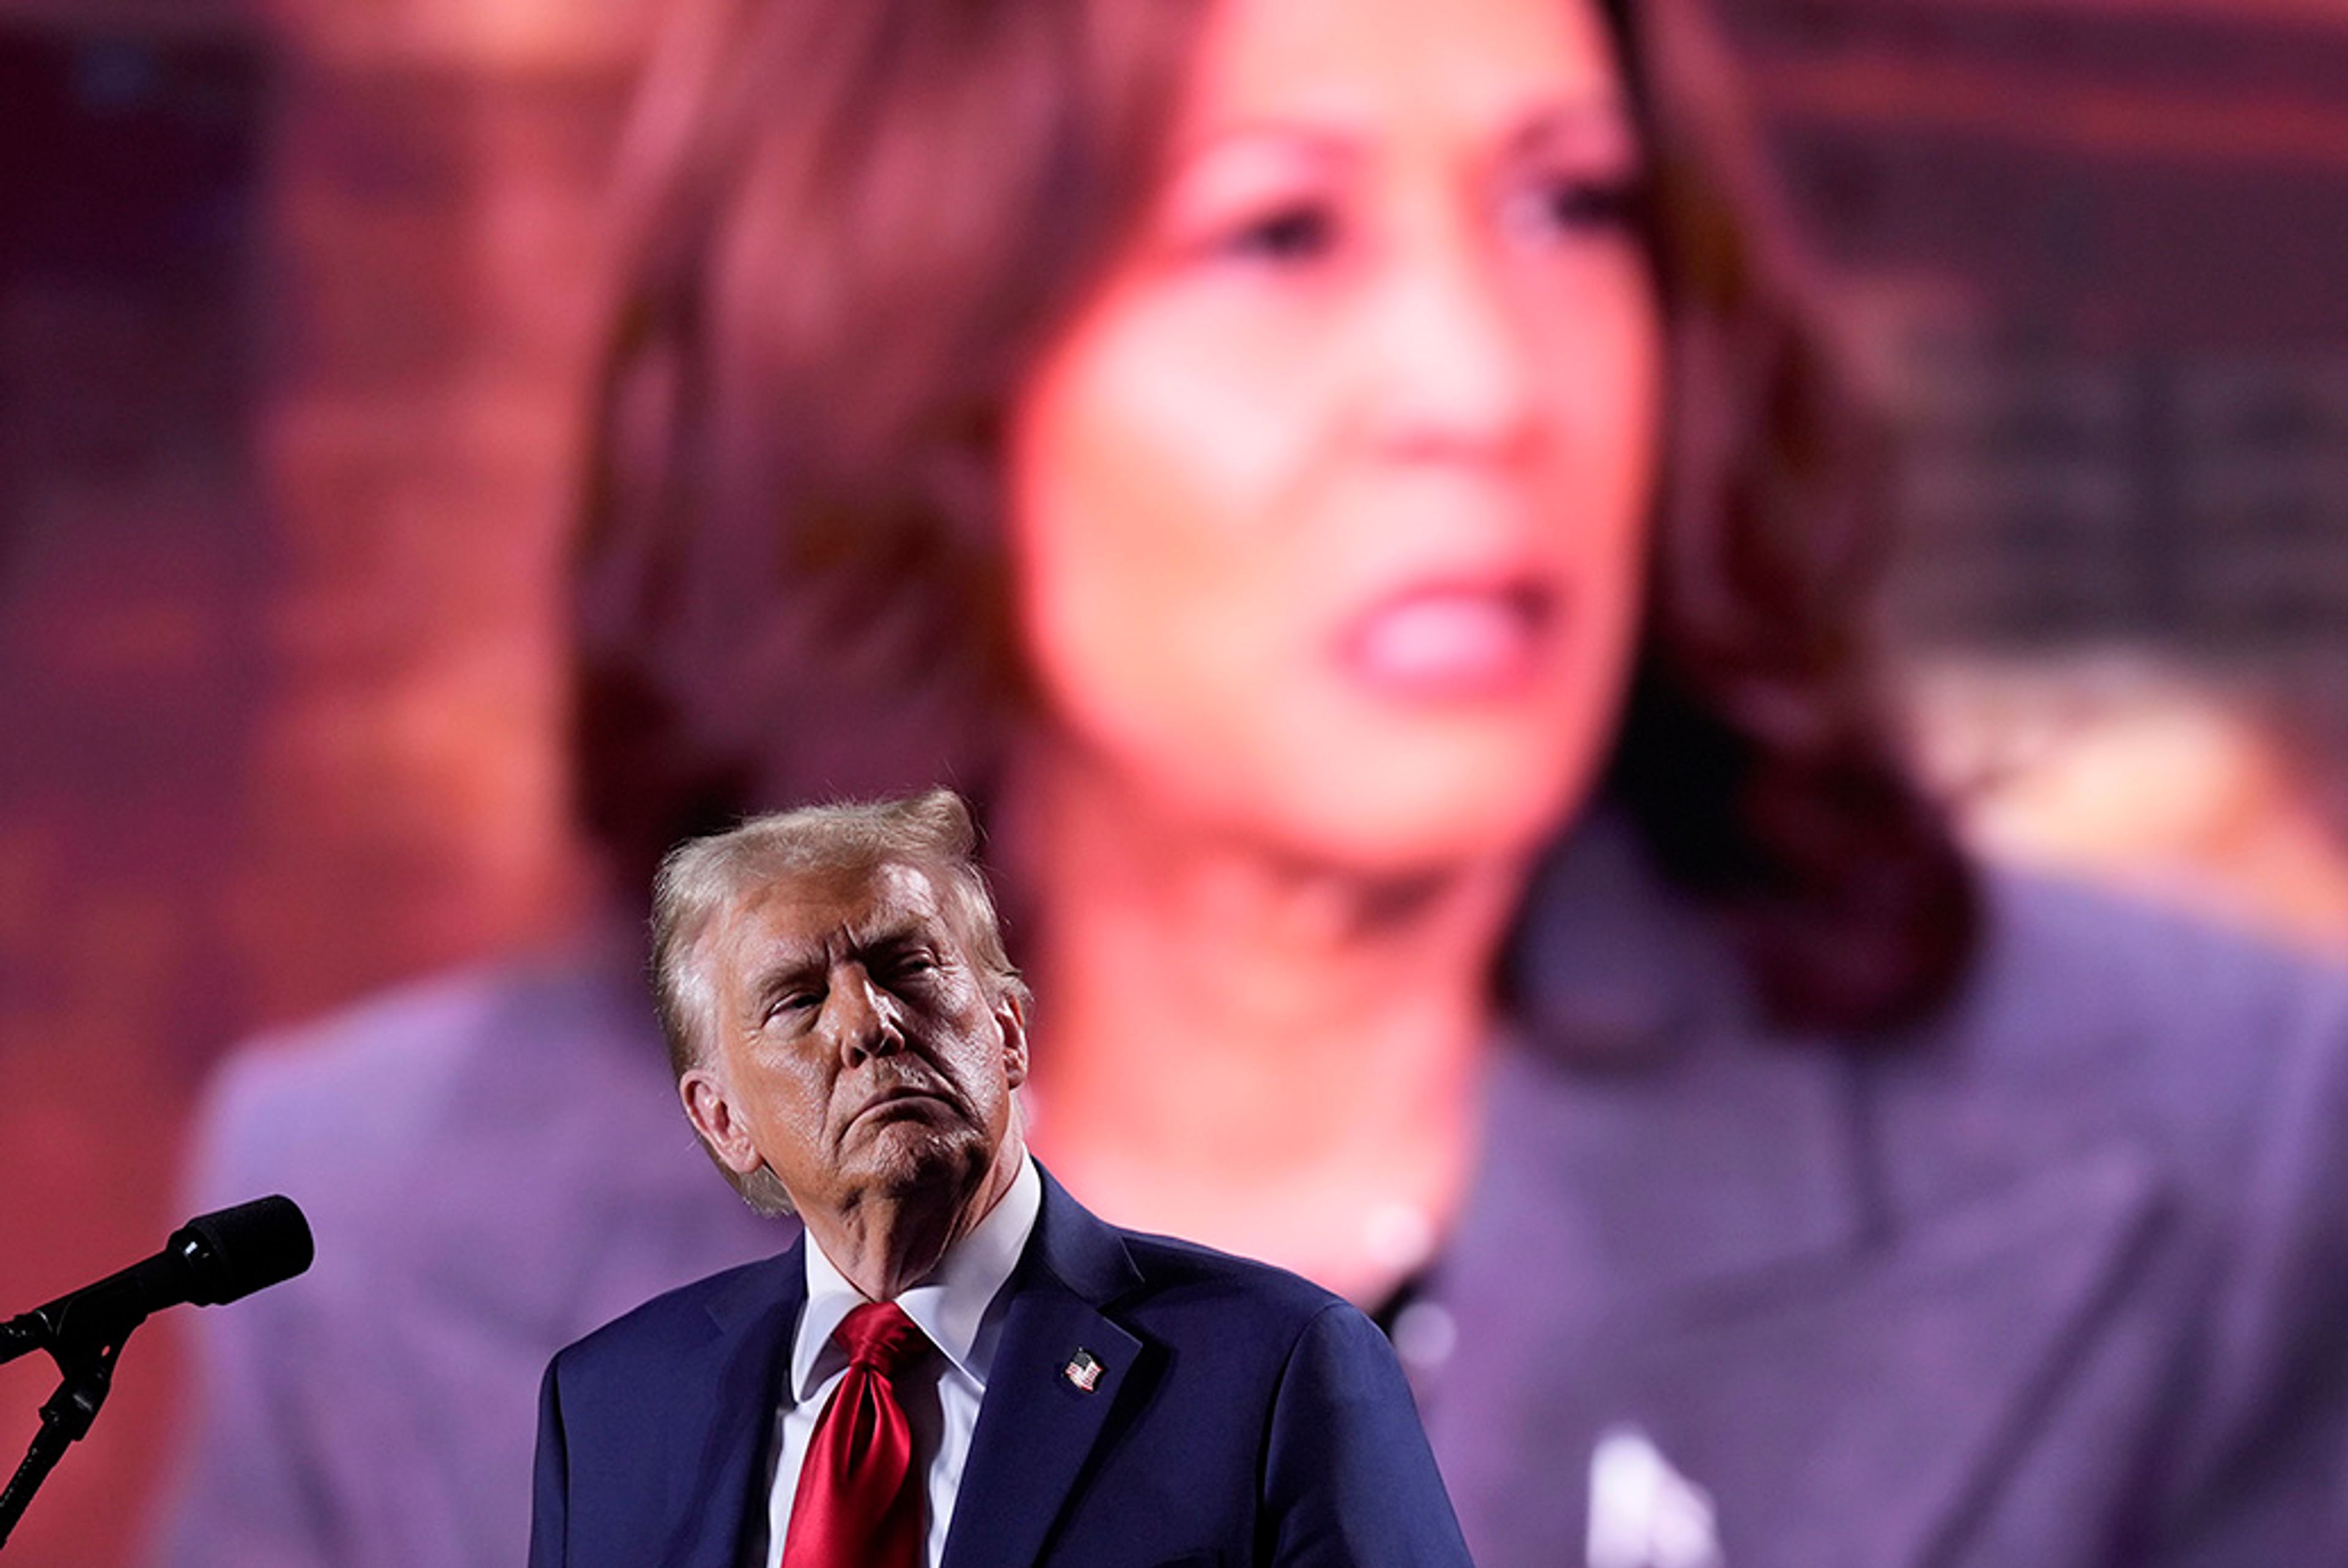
{"x":212,"y":1259}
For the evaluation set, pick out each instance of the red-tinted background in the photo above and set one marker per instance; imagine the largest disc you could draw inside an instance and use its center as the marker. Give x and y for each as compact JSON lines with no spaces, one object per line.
{"x":292,"y":310}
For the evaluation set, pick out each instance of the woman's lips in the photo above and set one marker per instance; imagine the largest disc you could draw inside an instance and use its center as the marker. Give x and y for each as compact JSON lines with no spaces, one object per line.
{"x":1451,"y":641}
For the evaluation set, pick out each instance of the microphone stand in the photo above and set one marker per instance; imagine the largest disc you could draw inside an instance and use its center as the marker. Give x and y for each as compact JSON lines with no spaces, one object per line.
{"x":86,"y":1369}
{"x":218,"y":1257}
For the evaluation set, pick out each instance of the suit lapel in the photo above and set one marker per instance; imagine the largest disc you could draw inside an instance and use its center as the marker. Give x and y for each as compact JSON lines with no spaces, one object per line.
{"x":1680,"y":1256}
{"x":1861,"y":1411}
{"x":733,"y":1402}
{"x":1037,"y":1426}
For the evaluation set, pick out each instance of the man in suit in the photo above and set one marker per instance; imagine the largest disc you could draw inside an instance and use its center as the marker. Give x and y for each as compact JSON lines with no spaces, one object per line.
{"x":956,"y":1365}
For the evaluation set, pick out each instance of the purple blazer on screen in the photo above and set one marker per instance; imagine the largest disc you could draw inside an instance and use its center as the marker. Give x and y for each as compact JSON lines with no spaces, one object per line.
{"x":2061,"y":1278}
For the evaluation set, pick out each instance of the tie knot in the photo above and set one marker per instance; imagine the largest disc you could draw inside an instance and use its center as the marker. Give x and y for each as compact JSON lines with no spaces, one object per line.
{"x":879,"y":1336}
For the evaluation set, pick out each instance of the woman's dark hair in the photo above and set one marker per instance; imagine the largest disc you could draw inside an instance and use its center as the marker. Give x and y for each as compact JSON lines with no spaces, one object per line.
{"x":850,"y":225}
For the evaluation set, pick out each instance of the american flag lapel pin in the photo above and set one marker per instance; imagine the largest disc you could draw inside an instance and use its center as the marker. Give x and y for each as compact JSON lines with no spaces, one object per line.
{"x":1084,"y":1369}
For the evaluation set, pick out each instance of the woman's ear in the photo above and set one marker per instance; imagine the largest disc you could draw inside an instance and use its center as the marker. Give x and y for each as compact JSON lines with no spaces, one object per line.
{"x":712,"y":1113}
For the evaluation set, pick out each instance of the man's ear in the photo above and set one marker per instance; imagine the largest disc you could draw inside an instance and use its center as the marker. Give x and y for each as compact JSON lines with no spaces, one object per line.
{"x":710,"y":1112}
{"x":1011,"y":1014}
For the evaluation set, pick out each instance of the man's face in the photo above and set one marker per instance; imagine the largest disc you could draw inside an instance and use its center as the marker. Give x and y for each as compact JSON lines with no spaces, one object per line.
{"x":854,"y":1051}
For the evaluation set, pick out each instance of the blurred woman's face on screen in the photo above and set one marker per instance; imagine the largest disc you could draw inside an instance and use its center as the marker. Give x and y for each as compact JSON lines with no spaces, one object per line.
{"x":1328,"y":505}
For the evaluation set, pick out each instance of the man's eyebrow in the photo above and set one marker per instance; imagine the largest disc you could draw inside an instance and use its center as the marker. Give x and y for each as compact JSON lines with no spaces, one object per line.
{"x":786,"y":972}
{"x":906,"y":931}
{"x":798,"y":966}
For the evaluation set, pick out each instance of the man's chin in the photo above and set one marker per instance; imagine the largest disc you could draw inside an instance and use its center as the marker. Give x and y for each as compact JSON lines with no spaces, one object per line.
{"x":907,"y":1155}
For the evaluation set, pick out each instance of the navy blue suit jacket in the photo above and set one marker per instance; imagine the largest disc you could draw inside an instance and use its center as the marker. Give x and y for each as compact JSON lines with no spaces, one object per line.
{"x":1243,"y":1417}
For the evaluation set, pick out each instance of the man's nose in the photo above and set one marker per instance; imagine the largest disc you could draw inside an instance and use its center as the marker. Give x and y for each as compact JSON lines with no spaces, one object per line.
{"x":861,"y":1019}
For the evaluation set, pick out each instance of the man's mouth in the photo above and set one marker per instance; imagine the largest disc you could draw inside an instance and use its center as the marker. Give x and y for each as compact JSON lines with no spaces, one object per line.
{"x":902,"y":1099}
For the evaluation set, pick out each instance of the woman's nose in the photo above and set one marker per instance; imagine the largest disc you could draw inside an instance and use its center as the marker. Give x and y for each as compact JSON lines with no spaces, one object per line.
{"x":1455,"y":367}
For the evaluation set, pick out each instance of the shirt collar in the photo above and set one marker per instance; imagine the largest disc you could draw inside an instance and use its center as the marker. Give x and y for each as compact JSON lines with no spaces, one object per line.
{"x":949,"y":1307}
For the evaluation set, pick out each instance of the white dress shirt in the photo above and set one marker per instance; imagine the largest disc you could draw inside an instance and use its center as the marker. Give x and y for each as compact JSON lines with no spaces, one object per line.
{"x":957,"y":1309}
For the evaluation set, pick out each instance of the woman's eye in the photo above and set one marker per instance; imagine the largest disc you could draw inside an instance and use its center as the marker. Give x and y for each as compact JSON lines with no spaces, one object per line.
{"x":1300,"y":233}
{"x":1573,"y":205}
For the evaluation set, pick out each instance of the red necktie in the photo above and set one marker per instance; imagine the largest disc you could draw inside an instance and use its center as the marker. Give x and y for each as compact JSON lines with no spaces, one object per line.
{"x":858,"y":1503}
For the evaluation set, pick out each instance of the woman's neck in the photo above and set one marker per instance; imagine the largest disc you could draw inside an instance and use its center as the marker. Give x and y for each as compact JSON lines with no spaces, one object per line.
{"x":1272,"y":1058}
